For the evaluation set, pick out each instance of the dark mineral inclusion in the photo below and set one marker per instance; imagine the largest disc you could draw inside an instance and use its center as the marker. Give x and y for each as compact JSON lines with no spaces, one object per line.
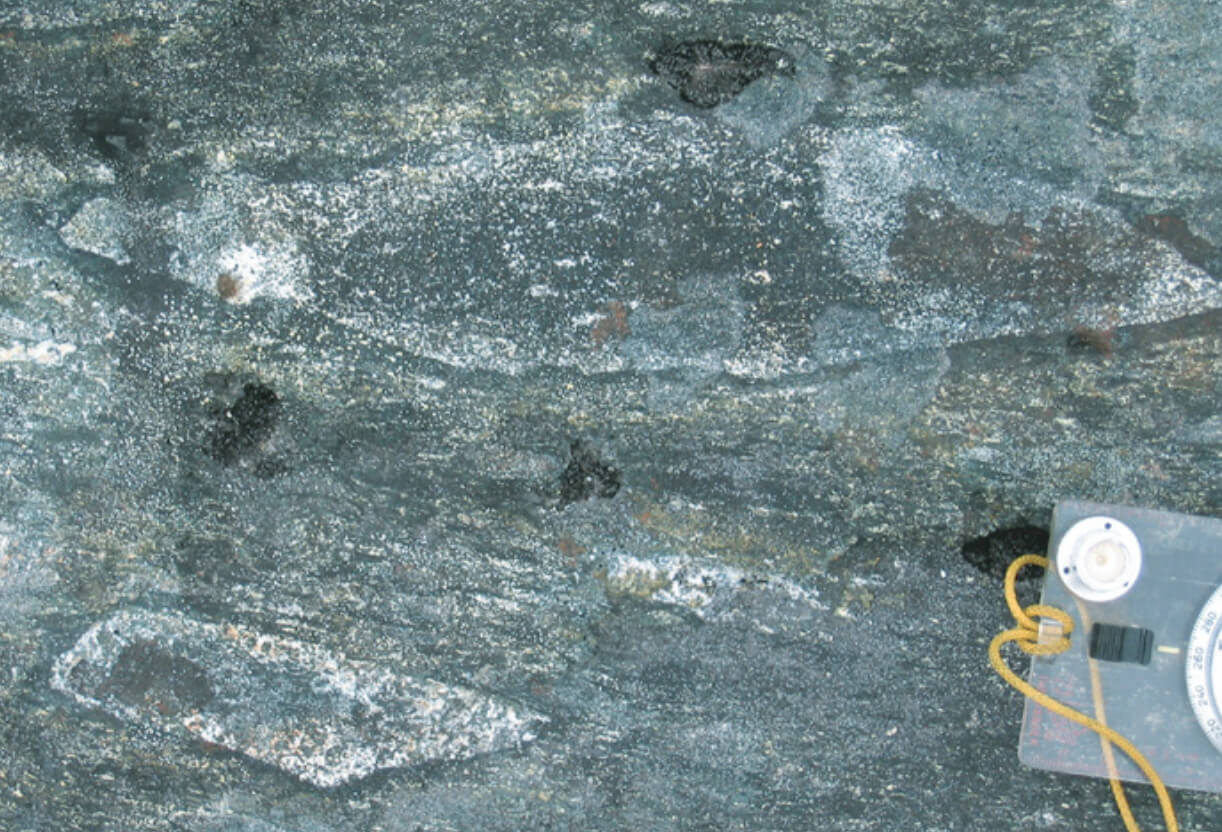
{"x":587,"y":476}
{"x":708,"y":72}
{"x":240,"y":428}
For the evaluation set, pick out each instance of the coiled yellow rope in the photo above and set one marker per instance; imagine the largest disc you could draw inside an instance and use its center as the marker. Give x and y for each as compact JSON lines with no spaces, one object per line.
{"x":1026,"y":635}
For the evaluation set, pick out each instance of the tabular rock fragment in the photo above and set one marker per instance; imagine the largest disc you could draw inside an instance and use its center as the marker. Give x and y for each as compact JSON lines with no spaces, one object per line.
{"x":314,"y":714}
{"x":98,"y":228}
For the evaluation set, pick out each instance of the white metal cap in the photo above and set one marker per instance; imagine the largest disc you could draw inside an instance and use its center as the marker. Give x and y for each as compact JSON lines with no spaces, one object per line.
{"x":1099,"y":559}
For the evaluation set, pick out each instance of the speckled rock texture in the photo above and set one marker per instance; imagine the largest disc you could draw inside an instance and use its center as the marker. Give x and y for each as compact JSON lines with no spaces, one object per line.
{"x":510,"y":416}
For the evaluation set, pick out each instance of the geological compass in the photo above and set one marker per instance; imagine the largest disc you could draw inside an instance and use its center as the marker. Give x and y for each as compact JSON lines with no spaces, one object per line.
{"x":1144,"y":591}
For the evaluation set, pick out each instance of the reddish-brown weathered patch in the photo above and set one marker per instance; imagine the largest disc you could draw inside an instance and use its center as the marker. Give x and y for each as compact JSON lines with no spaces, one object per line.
{"x":1067,"y":259}
{"x":571,"y":550}
{"x":227,"y":286}
{"x":1091,"y":338}
{"x":614,"y":324}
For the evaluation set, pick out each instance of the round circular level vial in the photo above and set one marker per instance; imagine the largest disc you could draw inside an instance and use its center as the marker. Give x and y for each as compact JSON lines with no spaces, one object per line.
{"x":1204,"y":668}
{"x":1099,"y":559}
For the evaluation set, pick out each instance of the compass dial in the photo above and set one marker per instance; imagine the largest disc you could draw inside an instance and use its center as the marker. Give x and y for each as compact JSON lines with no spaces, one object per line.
{"x":1204,"y":668}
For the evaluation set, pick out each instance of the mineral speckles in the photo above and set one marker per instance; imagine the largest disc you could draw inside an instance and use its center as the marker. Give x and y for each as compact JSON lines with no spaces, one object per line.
{"x":706,"y":588}
{"x":312,"y":713}
{"x":708,"y":72}
{"x":264,"y":269}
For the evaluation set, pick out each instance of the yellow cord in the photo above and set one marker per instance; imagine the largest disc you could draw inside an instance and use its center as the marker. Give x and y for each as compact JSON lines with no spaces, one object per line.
{"x":1026,"y":635}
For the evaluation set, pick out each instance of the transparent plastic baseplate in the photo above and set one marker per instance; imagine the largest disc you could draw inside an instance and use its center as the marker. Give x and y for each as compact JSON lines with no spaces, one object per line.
{"x":1171,"y":617}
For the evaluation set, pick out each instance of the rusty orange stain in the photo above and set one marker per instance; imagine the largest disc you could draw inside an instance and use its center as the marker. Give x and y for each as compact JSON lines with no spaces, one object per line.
{"x":571,"y":549}
{"x":1100,"y":340}
{"x":613,"y":324}
{"x":568,"y":546}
